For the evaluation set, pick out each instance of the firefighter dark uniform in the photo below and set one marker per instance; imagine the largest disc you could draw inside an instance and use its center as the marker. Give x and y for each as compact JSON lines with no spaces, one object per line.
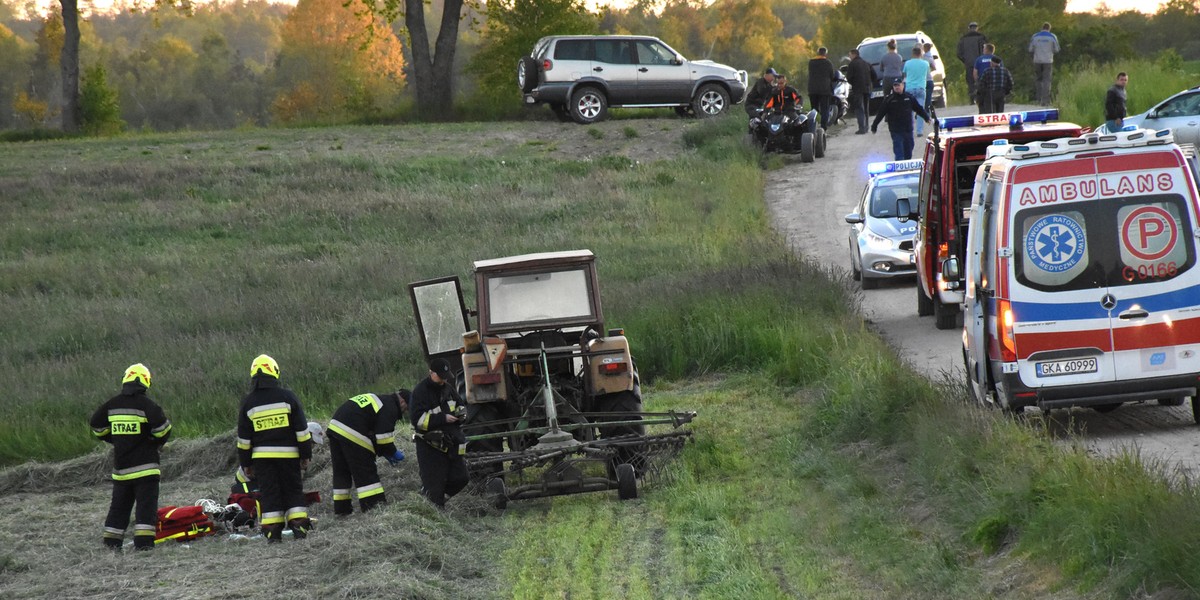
{"x":436,"y":412}
{"x":361,"y":429}
{"x":274,"y":445}
{"x":136,"y":427}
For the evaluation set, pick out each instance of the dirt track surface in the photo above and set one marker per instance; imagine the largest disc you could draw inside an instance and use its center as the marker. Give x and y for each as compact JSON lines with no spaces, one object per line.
{"x":808,"y":203}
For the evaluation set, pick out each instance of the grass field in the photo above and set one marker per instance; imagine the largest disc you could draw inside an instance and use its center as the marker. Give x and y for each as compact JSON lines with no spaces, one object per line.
{"x":822,"y":467}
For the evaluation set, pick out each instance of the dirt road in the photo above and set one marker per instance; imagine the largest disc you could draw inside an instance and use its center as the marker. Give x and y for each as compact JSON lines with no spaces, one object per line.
{"x":808,"y":203}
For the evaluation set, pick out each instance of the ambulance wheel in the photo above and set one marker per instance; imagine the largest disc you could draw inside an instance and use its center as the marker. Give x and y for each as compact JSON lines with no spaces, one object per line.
{"x":945,"y":316}
{"x":924,"y":304}
{"x":1195,"y":410}
{"x":807,"y":147}
{"x":1106,"y":408}
{"x":1171,"y":401}
{"x":626,"y":482}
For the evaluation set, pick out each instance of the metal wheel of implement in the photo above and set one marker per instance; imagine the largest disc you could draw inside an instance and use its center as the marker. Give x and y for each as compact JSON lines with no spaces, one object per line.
{"x":497,"y":493}
{"x":626,"y":482}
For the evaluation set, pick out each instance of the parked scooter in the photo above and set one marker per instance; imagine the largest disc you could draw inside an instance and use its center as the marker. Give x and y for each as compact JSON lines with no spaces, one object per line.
{"x":840,"y":107}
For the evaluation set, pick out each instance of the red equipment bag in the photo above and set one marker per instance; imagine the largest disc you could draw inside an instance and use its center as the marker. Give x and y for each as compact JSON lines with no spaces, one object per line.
{"x":182,"y":523}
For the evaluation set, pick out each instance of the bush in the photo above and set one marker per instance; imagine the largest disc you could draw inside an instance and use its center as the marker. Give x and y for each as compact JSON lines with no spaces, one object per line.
{"x":98,"y":105}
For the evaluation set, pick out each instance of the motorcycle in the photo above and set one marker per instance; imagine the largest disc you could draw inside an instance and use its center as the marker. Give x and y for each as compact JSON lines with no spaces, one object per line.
{"x":841,"y":97}
{"x":789,"y":132}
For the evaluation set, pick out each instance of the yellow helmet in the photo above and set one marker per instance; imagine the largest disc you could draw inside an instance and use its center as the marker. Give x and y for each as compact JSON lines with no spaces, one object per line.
{"x":138,"y":373}
{"x":264,"y":365}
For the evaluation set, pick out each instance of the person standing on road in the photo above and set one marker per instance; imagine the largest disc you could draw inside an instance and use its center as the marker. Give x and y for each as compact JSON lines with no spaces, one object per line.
{"x":993,"y":87}
{"x":436,"y":413}
{"x":1043,"y":46}
{"x":891,"y":66}
{"x":861,"y":81}
{"x":970,"y":46}
{"x":1114,"y":104}
{"x":983,"y":63}
{"x":274,"y":447}
{"x":927,"y":52}
{"x":899,"y":107}
{"x":821,"y":79}
{"x":763,"y":88}
{"x":136,"y":427}
{"x":361,"y":429}
{"x":916,"y":70}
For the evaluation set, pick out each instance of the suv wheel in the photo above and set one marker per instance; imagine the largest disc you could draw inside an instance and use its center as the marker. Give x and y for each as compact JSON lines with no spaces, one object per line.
{"x":710,"y":101}
{"x":588,"y":105}
{"x":527,"y":74}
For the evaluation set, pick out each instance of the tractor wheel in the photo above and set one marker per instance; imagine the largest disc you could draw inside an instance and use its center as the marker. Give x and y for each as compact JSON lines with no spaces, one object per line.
{"x":480,"y":414}
{"x":620,"y":402}
{"x":626,"y":482}
{"x":807,"y":147}
{"x":497,"y":493}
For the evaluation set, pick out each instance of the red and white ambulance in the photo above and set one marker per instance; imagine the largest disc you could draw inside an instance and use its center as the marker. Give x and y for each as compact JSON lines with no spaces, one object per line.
{"x":1081,"y":279}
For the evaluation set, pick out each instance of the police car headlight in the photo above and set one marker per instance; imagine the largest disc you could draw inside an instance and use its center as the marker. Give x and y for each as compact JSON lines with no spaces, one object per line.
{"x":878,"y":242}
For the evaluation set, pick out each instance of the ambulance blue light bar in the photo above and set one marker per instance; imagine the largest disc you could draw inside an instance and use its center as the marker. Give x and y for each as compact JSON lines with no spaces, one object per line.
{"x":1015,"y":119}
{"x":879,"y":168}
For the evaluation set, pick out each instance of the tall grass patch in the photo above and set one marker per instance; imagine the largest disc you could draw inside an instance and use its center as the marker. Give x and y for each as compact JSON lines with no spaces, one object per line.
{"x":1081,"y":97}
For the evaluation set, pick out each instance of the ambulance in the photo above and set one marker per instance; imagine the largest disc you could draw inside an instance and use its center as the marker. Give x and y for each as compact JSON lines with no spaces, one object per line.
{"x":1081,"y":282}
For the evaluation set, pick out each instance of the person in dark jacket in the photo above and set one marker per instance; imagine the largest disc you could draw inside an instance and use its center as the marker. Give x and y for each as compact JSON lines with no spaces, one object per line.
{"x":361,"y":429}
{"x":1114,"y":104}
{"x":274,"y":447}
{"x":763,"y":88}
{"x":994,"y":85}
{"x":821,"y":79}
{"x":970,"y":46}
{"x":436,"y":412}
{"x":899,"y":107}
{"x":861,"y":81}
{"x":136,"y":427}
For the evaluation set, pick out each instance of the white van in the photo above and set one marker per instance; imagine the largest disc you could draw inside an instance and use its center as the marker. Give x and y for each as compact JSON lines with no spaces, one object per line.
{"x":1082,"y":287}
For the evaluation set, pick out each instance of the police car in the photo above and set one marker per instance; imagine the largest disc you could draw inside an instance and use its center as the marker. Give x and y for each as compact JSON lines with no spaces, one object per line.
{"x":881,"y":247}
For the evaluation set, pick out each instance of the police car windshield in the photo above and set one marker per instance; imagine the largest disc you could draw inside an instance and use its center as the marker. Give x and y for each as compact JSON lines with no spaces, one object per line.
{"x":883,"y":198}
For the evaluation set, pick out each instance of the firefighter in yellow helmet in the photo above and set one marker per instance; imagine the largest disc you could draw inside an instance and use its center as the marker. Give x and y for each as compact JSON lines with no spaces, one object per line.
{"x":274,"y":446}
{"x":136,"y":427}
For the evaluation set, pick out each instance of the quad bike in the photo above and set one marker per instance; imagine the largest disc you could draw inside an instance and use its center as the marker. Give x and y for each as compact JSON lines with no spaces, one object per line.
{"x":789,"y":132}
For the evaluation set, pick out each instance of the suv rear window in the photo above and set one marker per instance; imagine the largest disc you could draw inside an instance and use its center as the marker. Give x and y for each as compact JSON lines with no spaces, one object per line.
{"x":874,"y":51}
{"x":573,"y":50}
{"x":1106,"y":243}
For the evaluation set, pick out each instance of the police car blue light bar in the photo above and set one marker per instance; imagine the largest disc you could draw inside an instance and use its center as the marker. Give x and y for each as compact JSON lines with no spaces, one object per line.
{"x":991,"y":119}
{"x":879,"y":168}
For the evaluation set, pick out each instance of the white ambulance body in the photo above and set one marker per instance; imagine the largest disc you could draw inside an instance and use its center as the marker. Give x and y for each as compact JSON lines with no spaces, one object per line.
{"x":1082,"y":284}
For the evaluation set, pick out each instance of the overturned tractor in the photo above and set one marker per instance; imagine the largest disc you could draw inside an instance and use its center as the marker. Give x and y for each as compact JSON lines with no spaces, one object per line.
{"x":554,"y":403}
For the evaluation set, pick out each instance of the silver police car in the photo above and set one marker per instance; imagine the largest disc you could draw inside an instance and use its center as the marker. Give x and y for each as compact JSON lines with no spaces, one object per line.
{"x":881,"y":247}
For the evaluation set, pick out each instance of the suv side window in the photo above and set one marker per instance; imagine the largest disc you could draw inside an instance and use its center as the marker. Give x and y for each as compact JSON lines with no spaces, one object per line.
{"x":651,"y":52}
{"x":573,"y":50}
{"x":615,"y":52}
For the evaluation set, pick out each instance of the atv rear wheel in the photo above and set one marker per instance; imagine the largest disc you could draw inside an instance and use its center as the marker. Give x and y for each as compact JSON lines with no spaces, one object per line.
{"x":807,"y":149}
{"x":819,"y":143}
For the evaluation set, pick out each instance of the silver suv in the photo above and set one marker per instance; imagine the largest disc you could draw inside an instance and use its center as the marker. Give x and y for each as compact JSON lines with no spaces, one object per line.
{"x":873,"y":49}
{"x":580,"y":76}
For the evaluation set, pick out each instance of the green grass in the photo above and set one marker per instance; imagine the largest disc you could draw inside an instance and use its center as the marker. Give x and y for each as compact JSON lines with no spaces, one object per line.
{"x":821,"y":468}
{"x":1081,"y":97}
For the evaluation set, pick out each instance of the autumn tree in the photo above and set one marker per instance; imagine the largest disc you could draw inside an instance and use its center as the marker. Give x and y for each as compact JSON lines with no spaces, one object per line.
{"x":14,"y":59}
{"x":336,"y":61}
{"x":746,"y":34}
{"x":852,"y":20}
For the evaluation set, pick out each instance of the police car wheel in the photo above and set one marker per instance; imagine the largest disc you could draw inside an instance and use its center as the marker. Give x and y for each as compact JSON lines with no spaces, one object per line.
{"x":869,"y":283}
{"x":855,"y":272}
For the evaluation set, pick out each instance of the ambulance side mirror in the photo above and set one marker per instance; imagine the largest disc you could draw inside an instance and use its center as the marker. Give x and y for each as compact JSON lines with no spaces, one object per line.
{"x":904,"y":211}
{"x":950,"y":270}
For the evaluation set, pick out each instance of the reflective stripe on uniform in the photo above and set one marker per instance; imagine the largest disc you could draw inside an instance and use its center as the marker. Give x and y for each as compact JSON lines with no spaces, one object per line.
{"x":275,"y":452}
{"x":241,"y":475}
{"x":387,"y":437}
{"x":274,"y":517}
{"x":341,"y":494}
{"x":275,"y":408}
{"x":143,"y":530}
{"x":243,"y":444}
{"x":101,"y":432}
{"x":161,"y":430}
{"x":423,"y":422}
{"x":350,"y":434}
{"x":303,"y":436}
{"x":367,"y":491}
{"x":136,"y":472}
{"x":296,"y":512}
{"x":132,"y":412}
{"x":113,"y":533}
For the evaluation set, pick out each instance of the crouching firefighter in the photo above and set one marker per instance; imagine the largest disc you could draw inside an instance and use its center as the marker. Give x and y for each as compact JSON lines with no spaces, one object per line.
{"x":361,"y":429}
{"x":274,"y":446}
{"x":436,"y":411}
{"x":136,"y":427}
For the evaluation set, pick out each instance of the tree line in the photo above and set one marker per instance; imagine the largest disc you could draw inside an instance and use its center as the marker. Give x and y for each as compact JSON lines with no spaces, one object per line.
{"x":253,"y":63}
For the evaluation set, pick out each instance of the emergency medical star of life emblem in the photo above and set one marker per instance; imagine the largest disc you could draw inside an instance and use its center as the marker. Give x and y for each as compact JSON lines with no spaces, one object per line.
{"x":1055,"y":243}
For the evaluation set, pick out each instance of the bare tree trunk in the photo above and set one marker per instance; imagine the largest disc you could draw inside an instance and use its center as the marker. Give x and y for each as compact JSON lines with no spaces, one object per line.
{"x":432,"y":75}
{"x":70,"y":66}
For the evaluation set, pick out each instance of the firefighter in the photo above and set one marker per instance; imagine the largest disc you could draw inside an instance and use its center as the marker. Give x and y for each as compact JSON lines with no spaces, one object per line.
{"x":136,"y":427}
{"x":274,"y":446}
{"x":436,"y":411}
{"x":361,"y":429}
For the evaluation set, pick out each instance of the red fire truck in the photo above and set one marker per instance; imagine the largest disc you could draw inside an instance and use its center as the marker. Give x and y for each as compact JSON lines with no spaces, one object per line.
{"x":953,"y":153}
